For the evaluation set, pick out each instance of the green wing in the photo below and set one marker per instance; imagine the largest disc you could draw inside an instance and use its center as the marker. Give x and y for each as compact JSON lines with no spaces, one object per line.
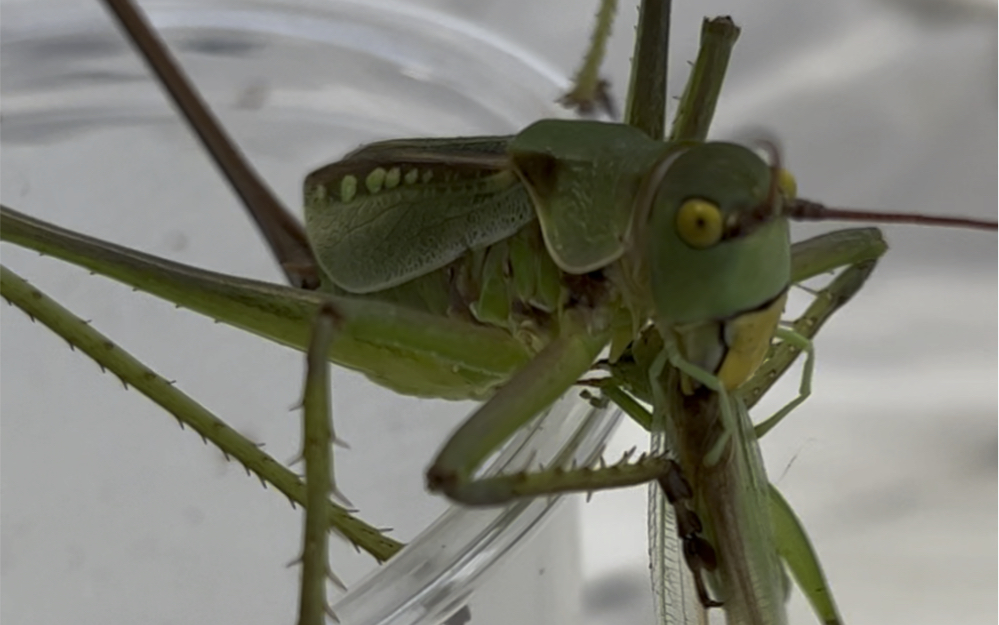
{"x":396,"y":210}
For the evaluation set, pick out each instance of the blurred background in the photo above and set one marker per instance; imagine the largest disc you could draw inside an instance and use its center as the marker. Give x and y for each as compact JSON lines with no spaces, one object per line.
{"x":891,"y":464}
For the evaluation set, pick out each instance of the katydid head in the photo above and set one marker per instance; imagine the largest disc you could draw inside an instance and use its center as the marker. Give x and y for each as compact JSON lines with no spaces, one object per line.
{"x":715,"y":236}
{"x":713,"y":226}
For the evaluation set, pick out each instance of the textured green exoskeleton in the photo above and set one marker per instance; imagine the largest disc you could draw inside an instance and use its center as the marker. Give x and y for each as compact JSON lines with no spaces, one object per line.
{"x":616,"y":210}
{"x":585,"y":186}
{"x":500,"y":268}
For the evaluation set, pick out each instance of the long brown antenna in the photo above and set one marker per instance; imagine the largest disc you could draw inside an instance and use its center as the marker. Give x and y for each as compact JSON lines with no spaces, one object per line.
{"x":283,"y":233}
{"x":806,"y":210}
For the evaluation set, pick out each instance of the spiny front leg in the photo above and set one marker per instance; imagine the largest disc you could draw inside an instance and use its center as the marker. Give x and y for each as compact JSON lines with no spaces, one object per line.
{"x":532,"y":390}
{"x":801,"y":343}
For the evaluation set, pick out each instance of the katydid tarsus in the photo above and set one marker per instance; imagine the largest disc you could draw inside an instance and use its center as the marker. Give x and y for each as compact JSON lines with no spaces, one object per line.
{"x":535,"y":338}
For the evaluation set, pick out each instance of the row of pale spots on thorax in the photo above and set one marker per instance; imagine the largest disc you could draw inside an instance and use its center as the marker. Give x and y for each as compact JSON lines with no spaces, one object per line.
{"x":377,"y":179}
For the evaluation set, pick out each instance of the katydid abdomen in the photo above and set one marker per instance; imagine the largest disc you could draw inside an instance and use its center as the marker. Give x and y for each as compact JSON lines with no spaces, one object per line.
{"x":511,"y":284}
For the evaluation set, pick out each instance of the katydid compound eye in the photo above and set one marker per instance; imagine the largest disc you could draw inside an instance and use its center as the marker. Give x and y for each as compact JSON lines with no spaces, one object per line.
{"x":699,"y":223}
{"x":787,"y":184}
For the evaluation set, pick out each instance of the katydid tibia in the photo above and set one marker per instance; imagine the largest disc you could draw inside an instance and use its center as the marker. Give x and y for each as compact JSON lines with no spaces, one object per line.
{"x":526,"y":256}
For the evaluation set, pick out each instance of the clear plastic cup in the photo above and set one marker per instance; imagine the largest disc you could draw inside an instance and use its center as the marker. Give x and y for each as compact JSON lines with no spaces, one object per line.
{"x":113,"y":514}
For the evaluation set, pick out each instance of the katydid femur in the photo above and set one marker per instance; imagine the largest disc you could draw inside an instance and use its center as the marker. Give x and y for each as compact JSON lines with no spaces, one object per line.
{"x":576,"y":230}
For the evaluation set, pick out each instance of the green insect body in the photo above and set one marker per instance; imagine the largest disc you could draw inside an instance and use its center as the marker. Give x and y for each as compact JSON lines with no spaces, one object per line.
{"x":471,"y":208}
{"x":610,"y":214}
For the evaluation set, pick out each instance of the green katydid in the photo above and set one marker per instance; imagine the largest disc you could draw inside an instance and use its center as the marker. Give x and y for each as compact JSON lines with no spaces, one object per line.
{"x":593,"y":348}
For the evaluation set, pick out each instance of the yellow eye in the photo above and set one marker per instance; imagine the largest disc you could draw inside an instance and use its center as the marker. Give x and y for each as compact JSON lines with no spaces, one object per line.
{"x":699,"y":223}
{"x":787,"y":184}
